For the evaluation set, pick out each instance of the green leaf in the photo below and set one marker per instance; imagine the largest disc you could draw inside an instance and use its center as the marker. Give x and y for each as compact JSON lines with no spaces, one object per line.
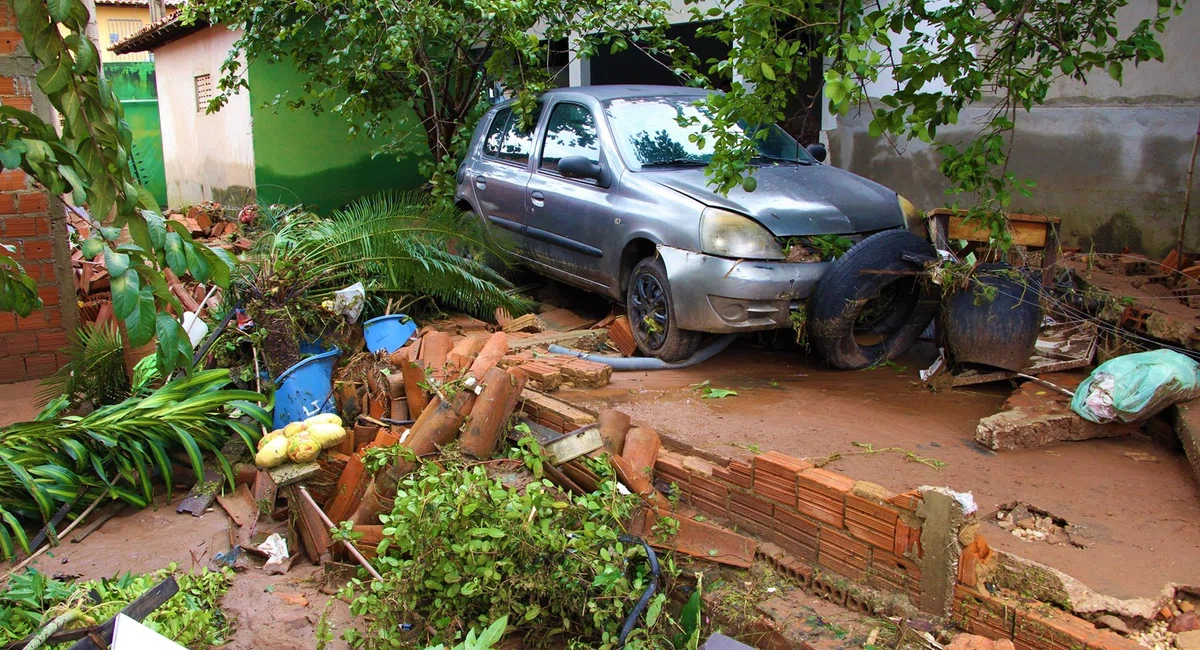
{"x":139,"y":232}
{"x":196,"y":263}
{"x":176,"y":259}
{"x":86,"y":56}
{"x":91,"y":247}
{"x":1114,"y":70}
{"x":767,"y":71}
{"x":717,"y":393}
{"x":54,"y":78}
{"x":116,"y":263}
{"x":141,"y":321}
{"x":60,"y":10}
{"x":125,"y":290}
{"x":168,"y":330}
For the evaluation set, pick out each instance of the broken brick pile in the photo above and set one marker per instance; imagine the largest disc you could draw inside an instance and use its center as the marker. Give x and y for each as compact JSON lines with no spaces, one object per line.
{"x":825,"y":525}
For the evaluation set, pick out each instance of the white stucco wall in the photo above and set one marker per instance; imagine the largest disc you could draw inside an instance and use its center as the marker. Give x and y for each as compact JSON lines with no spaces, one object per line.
{"x":206,"y":157}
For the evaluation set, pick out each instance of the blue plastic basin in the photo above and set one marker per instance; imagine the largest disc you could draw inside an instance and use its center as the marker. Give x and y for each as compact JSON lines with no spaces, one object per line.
{"x":306,"y":389}
{"x":388,"y":333}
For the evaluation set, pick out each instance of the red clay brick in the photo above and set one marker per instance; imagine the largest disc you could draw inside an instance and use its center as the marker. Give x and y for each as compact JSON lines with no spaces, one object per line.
{"x":49,"y":294}
{"x":32,"y":202}
{"x":752,"y":513}
{"x":907,"y":542}
{"x":670,"y":469}
{"x":871,"y":522}
{"x":775,"y":476}
{"x":906,"y":500}
{"x":20,"y":227}
{"x":12,"y":179}
{"x":898,"y":575}
{"x":43,"y":225}
{"x":37,"y":250}
{"x":982,"y":614}
{"x":779,"y":464}
{"x":54,"y":315}
{"x":843,"y":554}
{"x":8,"y":88}
{"x":822,"y":495}
{"x":34,"y":321}
{"x":8,"y":323}
{"x":19,"y":103}
{"x":1051,"y":629}
{"x":737,"y":473}
{"x":51,"y":341}
{"x":796,"y":534}
{"x":10,"y":41}
{"x":21,"y":343}
{"x":708,"y":495}
{"x":8,"y":201}
{"x":12,"y":369}
{"x":40,"y":365}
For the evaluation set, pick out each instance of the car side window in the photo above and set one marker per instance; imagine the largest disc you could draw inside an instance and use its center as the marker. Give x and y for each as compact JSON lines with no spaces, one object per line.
{"x":495,"y":133}
{"x":518,"y":140}
{"x":571,"y":131}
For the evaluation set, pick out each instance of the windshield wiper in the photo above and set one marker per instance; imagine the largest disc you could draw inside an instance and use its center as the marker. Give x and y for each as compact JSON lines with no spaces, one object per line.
{"x":675,"y":161}
{"x":782,"y":159}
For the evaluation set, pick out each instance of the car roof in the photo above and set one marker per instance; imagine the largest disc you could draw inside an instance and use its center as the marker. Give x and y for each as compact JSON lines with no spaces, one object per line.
{"x":623,"y":91}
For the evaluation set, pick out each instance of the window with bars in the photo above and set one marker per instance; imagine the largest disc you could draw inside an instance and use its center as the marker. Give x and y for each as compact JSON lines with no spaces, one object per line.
{"x":120,"y":29}
{"x":204,"y":91}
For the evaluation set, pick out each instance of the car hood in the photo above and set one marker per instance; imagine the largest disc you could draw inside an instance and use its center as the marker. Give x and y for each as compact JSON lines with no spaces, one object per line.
{"x":796,"y":200}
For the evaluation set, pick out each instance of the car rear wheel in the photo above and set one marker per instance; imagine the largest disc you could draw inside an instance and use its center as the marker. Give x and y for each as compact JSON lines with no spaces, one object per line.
{"x":871,"y":306}
{"x":651,"y":311}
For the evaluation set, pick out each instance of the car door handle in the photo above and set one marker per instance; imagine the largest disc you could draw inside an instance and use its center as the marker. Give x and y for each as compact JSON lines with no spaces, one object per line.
{"x":481,"y":182}
{"x":538,"y":199}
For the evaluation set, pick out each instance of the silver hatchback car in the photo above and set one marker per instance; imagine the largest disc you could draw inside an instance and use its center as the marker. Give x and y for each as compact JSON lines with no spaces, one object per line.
{"x":605,"y":191}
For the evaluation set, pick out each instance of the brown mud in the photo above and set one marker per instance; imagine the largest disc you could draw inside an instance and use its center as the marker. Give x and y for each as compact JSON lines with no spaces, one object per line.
{"x":1143,"y":516}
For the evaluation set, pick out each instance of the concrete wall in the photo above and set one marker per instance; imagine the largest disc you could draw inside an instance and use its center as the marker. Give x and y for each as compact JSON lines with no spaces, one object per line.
{"x":207,"y":157}
{"x":1111,"y":160}
{"x":305,"y":158}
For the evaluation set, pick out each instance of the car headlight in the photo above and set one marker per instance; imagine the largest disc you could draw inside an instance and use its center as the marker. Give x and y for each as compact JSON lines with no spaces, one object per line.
{"x":730,"y":234}
{"x":914,"y":219}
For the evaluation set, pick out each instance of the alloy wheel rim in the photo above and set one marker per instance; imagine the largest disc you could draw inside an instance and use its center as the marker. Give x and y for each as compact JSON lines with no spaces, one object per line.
{"x":648,"y":306}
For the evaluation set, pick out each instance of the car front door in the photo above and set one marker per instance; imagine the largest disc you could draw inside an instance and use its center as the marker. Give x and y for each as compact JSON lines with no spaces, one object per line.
{"x":501,"y":173}
{"x":569,"y":217}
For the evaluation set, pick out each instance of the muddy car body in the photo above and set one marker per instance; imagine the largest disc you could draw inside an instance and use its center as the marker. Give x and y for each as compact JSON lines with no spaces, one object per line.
{"x":602,"y":189}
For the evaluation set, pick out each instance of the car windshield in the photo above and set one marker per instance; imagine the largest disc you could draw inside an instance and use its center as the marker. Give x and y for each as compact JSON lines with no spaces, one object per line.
{"x":649,"y":134}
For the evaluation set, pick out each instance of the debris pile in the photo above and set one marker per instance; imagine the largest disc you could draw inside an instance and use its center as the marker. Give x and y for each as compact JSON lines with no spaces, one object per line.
{"x":1036,"y":525}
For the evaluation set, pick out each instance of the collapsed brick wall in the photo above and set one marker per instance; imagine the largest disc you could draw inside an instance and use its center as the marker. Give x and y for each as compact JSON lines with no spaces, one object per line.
{"x":828,"y":523}
{"x":29,"y":345}
{"x":857,"y":530}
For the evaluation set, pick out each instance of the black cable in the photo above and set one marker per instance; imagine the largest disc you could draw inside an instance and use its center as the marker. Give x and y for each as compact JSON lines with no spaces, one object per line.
{"x":642,"y":602}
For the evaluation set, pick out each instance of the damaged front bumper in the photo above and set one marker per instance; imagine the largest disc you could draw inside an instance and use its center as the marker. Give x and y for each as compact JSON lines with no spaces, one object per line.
{"x":717,"y":294}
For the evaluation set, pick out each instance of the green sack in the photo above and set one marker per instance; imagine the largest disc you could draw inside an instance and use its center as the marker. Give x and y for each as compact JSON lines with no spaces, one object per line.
{"x":1136,"y":386}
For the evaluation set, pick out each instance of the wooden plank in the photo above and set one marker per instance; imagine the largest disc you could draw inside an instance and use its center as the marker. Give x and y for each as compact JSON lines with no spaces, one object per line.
{"x":137,"y":610}
{"x":290,"y":473}
{"x":1023,"y":233}
{"x":200,"y":499}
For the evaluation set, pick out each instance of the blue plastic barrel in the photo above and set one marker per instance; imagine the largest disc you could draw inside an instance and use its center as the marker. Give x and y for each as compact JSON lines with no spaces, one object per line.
{"x":306,"y":389}
{"x":388,"y":333}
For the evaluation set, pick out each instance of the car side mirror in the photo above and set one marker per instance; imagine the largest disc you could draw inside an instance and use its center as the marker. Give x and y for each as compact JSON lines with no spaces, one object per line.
{"x":817,"y":150}
{"x":579,"y":167}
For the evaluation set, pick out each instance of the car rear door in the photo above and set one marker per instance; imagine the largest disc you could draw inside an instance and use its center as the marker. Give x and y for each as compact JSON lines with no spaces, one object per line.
{"x":570,"y":219}
{"x":501,"y":172}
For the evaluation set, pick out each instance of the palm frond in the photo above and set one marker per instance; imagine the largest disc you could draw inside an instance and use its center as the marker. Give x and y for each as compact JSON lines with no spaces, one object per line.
{"x":95,"y":372}
{"x":115,"y":449}
{"x":405,"y":243}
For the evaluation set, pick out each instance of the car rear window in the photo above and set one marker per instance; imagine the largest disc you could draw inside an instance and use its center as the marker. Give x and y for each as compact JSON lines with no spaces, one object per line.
{"x":495,"y":133}
{"x":518,"y":140}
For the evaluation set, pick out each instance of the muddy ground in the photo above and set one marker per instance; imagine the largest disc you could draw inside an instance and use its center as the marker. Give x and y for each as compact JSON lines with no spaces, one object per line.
{"x":1143,"y":515}
{"x":267,"y":612}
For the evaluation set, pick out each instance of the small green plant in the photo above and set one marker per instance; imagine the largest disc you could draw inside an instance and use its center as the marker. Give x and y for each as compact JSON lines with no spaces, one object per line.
{"x":462,"y":550}
{"x":192,"y":618}
{"x":717,"y":393}
{"x":798,"y":318}
{"x":831,"y":247}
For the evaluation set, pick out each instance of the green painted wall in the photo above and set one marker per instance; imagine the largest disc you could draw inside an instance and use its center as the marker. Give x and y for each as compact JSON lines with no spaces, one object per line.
{"x":134,"y":85}
{"x":304,"y":158}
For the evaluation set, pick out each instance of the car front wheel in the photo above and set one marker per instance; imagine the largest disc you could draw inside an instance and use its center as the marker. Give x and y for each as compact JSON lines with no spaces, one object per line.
{"x":651,"y":311}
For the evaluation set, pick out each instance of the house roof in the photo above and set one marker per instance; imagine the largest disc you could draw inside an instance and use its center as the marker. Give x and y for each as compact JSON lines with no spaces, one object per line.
{"x":158,"y":34}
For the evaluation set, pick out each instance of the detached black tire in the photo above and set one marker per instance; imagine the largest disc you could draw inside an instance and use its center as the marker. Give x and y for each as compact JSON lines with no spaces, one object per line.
{"x":651,"y":311}
{"x":869,"y":308}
